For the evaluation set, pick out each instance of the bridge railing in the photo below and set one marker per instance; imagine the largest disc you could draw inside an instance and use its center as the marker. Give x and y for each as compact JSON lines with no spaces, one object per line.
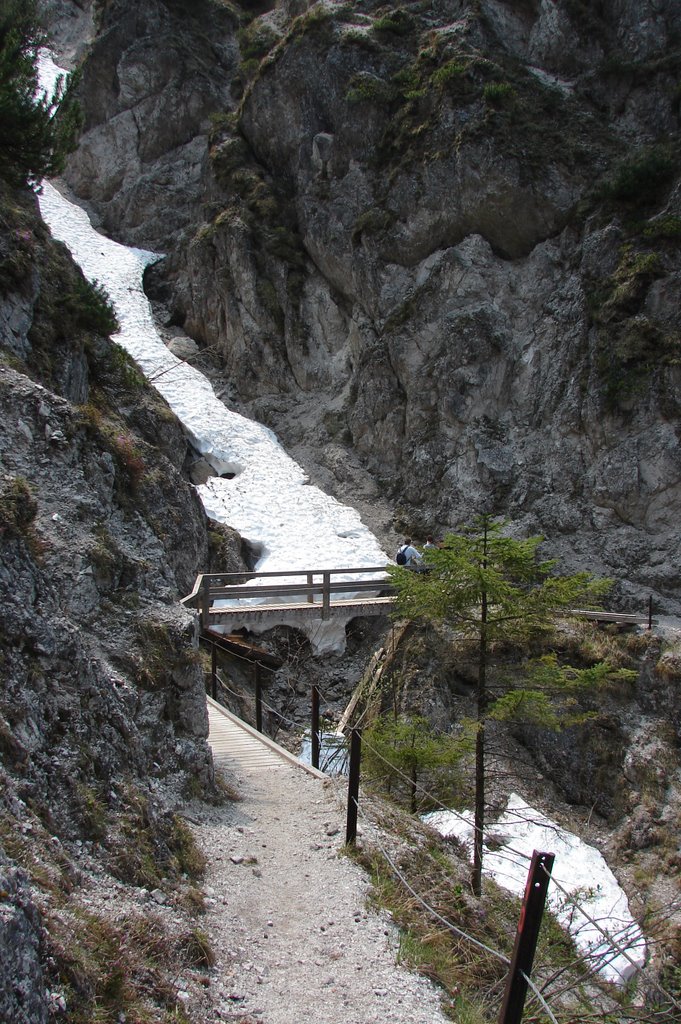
{"x":298,"y":586}
{"x":320,"y":586}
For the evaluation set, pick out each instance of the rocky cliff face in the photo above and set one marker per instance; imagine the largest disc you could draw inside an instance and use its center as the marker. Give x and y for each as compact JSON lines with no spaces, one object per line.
{"x":437,"y":247}
{"x":103,"y":720}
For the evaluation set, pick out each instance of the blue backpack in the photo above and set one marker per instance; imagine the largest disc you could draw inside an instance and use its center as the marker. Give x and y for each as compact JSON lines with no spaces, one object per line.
{"x":401,"y":557}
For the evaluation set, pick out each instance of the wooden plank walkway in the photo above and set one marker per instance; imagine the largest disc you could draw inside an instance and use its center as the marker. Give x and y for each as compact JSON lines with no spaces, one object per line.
{"x":240,"y":747}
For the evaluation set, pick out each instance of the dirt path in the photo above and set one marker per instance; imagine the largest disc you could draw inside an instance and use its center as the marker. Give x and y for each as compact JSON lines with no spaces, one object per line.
{"x":287,"y":913}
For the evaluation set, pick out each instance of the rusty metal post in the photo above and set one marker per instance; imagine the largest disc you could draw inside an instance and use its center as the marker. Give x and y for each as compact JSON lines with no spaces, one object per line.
{"x":353,"y":786}
{"x":213,"y":672}
{"x":258,"y":696}
{"x":315,"y":727}
{"x":326,"y":596}
{"x":526,"y":938}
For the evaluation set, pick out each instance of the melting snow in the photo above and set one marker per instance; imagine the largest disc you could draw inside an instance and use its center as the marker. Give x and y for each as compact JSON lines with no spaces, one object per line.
{"x":579,"y":869}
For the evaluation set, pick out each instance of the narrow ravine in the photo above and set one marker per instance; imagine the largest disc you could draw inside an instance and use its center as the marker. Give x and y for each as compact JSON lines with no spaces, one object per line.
{"x":266,"y":497}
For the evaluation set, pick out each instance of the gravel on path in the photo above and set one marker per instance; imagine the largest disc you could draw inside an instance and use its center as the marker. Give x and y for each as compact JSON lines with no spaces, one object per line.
{"x":287,"y":915}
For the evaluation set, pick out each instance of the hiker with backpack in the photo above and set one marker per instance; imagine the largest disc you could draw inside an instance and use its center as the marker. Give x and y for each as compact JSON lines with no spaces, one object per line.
{"x":408,"y":556}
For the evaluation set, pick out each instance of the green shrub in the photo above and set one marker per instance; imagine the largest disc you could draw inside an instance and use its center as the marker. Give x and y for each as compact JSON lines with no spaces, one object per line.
{"x":89,"y":307}
{"x":371,"y":222}
{"x":18,"y":507}
{"x":227,"y":157}
{"x":640,"y":179}
{"x":256,"y":40}
{"x":129,"y":458}
{"x":498,"y":94}
{"x":397,"y":23}
{"x":453,"y":70}
{"x":668,"y":227}
{"x":17,"y":252}
{"x":629,"y":284}
{"x":93,"y":812}
{"x":367,"y":88}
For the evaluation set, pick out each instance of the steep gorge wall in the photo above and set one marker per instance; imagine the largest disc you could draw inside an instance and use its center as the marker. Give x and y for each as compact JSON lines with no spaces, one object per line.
{"x":436,"y":243}
{"x":103,"y":722}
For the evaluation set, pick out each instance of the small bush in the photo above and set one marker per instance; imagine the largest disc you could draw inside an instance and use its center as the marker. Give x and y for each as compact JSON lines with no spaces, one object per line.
{"x":189,"y":859}
{"x":371,"y":222}
{"x":451,"y":71}
{"x":397,"y":23}
{"x":640,"y":180}
{"x":668,"y":228}
{"x":367,"y":88}
{"x":498,"y":94}
{"x":89,"y":306}
{"x":17,"y":250}
{"x":18,"y":507}
{"x":256,"y":40}
{"x":93,"y":812}
{"x":115,"y":368}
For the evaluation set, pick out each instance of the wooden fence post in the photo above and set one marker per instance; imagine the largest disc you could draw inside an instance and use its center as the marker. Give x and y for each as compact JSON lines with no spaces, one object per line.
{"x":213,"y":672}
{"x":526,"y":938}
{"x":314,"y":726}
{"x":353,"y":786}
{"x":205,"y":602}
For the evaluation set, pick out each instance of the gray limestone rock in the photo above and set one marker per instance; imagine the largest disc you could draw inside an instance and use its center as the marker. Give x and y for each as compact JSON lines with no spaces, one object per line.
{"x":23,"y":999}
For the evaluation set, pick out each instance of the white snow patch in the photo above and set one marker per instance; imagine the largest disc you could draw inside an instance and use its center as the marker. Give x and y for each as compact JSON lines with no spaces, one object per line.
{"x":611,"y":941}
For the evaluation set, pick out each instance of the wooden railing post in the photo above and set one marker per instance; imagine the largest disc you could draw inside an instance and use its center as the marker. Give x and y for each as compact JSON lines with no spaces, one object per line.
{"x":526,"y":938}
{"x":650,"y":612}
{"x":213,"y":672}
{"x":353,"y":786}
{"x":205,"y":602}
{"x":326,"y":594}
{"x":310,"y":581}
{"x":314,"y":726}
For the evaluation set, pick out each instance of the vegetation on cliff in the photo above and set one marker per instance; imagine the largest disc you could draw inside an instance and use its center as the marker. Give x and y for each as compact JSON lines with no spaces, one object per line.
{"x":37,"y":130}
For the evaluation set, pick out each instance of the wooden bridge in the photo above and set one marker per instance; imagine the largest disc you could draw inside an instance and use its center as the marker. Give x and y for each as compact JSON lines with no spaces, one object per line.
{"x":237,"y":745}
{"x":228,"y":598}
{"x":291,"y":596}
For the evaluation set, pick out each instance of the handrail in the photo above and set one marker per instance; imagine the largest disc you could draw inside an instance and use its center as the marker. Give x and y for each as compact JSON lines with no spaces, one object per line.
{"x":214,"y":583}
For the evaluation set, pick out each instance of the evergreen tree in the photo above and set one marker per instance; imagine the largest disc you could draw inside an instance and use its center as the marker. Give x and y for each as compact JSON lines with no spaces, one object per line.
{"x":490,"y":588}
{"x":401,"y":751}
{"x":37,"y":131}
